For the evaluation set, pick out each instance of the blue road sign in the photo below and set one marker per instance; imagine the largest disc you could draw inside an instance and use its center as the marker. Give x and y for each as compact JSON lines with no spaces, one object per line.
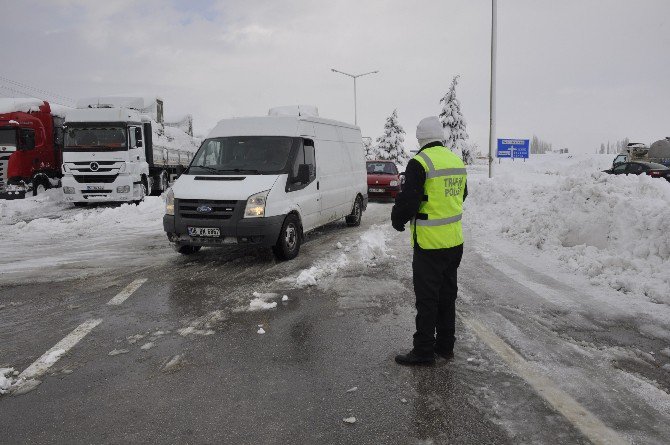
{"x":513,"y":148}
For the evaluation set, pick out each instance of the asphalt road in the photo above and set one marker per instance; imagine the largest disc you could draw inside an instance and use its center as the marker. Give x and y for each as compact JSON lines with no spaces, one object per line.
{"x":188,"y":365}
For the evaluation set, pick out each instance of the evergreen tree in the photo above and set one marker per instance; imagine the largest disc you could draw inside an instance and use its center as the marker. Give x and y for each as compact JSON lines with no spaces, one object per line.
{"x":369,"y":149}
{"x":452,"y":120}
{"x":390,"y":143}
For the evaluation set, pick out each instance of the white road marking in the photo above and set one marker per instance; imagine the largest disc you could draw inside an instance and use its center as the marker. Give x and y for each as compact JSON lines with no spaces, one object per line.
{"x":596,"y":431}
{"x":42,"y":364}
{"x":127,"y":292}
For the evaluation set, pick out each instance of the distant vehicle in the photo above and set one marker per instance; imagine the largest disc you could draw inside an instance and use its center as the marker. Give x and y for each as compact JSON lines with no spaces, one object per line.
{"x":639,"y":167}
{"x":118,"y":150}
{"x":383,"y":179}
{"x":265,"y":181}
{"x":31,"y":142}
{"x":658,"y":152}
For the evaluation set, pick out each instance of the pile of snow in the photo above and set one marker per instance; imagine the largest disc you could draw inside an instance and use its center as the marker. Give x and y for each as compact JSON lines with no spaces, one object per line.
{"x":613,"y":229}
{"x":369,"y":248}
{"x":49,"y":215}
{"x":20,"y":104}
{"x":6,"y":379}
{"x":173,"y":138}
{"x":261,"y":302}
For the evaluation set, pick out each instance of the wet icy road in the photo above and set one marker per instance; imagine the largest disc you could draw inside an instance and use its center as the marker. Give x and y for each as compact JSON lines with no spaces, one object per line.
{"x":188,"y":365}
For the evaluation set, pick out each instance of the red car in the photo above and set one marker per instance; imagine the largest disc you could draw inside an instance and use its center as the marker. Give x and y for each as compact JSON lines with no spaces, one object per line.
{"x":383,"y":179}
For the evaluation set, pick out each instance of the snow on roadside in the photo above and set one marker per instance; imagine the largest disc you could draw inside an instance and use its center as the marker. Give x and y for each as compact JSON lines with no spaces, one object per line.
{"x":613,"y":229}
{"x":370,"y":247}
{"x":6,"y":380}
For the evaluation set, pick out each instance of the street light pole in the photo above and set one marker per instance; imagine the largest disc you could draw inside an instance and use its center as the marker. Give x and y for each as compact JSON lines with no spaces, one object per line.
{"x":354,"y":76}
{"x":492,"y":103}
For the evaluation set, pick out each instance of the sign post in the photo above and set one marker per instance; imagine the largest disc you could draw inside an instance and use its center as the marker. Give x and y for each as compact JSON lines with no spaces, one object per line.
{"x":513,"y":148}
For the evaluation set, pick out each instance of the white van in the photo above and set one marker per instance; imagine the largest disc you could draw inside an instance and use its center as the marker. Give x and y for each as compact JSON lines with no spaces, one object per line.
{"x":265,"y":181}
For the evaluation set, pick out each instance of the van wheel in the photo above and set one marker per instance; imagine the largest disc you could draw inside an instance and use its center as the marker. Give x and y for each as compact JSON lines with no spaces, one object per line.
{"x":356,"y":213}
{"x":288,"y":244}
{"x":187,"y":250}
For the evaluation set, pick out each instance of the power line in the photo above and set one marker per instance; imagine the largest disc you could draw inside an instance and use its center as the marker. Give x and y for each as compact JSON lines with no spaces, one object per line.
{"x":29,"y":87}
{"x":4,"y":87}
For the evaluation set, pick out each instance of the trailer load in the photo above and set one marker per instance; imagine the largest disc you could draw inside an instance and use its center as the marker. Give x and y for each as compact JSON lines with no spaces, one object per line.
{"x":117,"y":149}
{"x":658,"y":152}
{"x":31,"y":142}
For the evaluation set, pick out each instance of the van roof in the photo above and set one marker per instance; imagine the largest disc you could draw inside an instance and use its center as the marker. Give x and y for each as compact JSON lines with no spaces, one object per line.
{"x":292,"y":126}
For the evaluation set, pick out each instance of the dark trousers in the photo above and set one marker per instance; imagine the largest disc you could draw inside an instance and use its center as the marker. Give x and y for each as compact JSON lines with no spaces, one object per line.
{"x":435,"y":273}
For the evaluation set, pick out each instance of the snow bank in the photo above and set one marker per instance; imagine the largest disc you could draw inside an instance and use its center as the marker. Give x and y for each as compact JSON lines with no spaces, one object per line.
{"x":613,"y":229}
{"x":6,"y":379}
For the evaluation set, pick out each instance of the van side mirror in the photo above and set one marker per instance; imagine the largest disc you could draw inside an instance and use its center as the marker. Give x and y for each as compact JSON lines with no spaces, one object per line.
{"x":303,"y":174}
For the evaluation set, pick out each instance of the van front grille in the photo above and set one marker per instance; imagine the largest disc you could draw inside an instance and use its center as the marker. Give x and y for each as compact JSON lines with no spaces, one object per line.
{"x":188,"y":209}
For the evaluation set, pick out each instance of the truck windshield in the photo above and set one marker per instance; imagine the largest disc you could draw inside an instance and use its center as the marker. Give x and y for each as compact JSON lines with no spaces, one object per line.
{"x":244,"y":154}
{"x":8,"y":137}
{"x":82,"y":138}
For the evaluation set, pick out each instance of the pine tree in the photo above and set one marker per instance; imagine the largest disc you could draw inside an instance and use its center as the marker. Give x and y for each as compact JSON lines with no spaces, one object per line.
{"x":452,"y":120}
{"x":369,"y":149}
{"x":390,"y":143}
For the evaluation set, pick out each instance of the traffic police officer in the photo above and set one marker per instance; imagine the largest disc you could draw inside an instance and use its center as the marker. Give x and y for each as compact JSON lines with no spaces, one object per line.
{"x":431,"y":200}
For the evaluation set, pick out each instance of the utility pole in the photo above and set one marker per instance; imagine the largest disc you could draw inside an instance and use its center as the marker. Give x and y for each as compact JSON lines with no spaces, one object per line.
{"x":354,"y":76}
{"x":492,"y":103}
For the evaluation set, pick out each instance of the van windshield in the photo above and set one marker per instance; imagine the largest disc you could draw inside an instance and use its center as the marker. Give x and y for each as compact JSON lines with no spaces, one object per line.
{"x":244,"y":154}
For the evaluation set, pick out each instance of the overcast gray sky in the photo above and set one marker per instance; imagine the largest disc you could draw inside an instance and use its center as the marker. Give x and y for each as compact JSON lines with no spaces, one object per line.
{"x":574,"y":72}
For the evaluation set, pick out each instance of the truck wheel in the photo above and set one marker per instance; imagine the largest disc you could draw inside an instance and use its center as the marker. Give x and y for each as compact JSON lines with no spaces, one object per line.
{"x":40,"y":185}
{"x":162,"y":182}
{"x":187,"y":250}
{"x":143,"y":189}
{"x":288,"y":244}
{"x":356,"y":213}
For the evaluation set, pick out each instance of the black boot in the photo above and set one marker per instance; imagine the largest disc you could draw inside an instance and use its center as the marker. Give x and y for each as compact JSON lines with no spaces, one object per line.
{"x":413,"y":359}
{"x":444,"y":352}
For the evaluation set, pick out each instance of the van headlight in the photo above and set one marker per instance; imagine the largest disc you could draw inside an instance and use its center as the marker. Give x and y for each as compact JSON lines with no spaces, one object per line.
{"x":169,"y":202}
{"x":256,"y":205}
{"x":393,"y":183}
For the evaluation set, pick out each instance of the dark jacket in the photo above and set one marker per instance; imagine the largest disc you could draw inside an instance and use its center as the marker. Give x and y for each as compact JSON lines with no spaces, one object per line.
{"x":409,"y":199}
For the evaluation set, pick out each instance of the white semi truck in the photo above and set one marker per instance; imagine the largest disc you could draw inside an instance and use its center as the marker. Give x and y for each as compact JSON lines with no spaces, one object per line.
{"x":117,"y":149}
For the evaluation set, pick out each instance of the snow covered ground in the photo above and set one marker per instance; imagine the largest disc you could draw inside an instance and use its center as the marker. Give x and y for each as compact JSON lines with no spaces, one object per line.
{"x":615,"y":230}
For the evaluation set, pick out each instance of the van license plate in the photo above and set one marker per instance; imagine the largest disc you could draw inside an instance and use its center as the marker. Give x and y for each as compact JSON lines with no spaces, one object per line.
{"x":204,"y":231}
{"x":376,"y":190}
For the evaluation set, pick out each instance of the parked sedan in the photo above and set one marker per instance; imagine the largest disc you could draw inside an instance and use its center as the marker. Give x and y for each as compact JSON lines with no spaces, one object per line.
{"x":383,"y":179}
{"x":639,"y":167}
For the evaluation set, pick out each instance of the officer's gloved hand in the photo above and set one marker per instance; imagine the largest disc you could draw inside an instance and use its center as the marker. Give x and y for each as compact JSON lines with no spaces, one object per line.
{"x":398,"y":227}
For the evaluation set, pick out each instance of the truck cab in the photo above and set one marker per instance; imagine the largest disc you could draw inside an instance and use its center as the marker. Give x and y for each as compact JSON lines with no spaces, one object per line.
{"x":104,"y":158}
{"x":30,"y":147}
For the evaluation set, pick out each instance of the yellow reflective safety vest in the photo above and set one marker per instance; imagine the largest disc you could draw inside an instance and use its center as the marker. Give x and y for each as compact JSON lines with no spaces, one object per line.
{"x":437,"y":225}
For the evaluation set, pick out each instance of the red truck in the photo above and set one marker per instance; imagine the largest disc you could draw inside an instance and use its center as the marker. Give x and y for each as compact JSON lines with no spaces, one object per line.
{"x":31,"y":147}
